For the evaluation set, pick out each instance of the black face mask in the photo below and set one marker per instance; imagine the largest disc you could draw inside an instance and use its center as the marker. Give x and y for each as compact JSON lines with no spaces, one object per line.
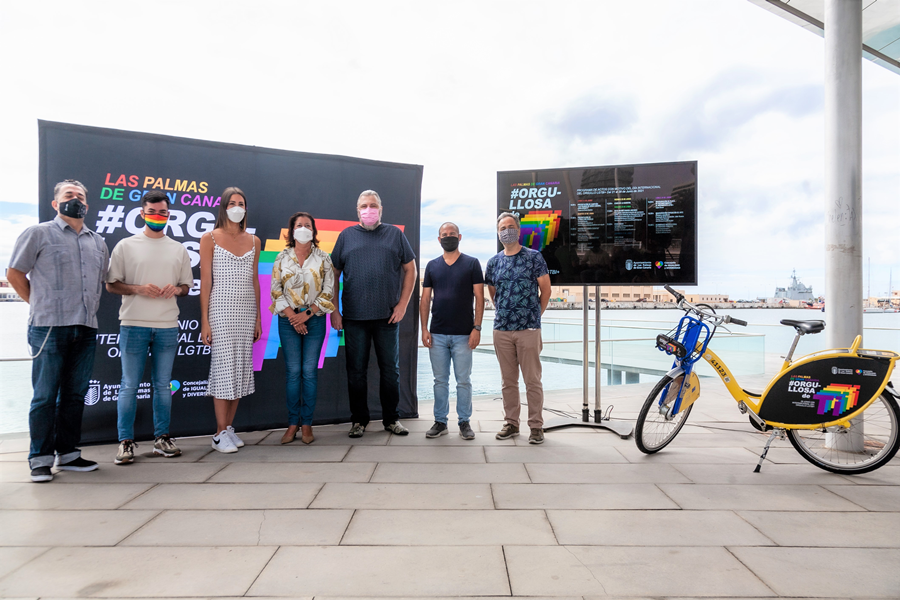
{"x":74,"y":209}
{"x":449,"y":243}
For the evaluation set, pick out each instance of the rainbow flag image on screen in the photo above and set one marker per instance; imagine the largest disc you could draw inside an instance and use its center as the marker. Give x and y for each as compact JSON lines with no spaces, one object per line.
{"x":837,"y":398}
{"x":539,"y":228}
{"x":267,"y":347}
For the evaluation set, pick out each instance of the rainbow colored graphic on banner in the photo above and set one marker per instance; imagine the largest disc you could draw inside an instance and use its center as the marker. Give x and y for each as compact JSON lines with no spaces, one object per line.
{"x":837,"y":398}
{"x":267,"y":347}
{"x":539,"y":228}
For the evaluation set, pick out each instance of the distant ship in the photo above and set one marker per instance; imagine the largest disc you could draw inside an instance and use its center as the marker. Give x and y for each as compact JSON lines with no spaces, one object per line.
{"x":796,"y":291}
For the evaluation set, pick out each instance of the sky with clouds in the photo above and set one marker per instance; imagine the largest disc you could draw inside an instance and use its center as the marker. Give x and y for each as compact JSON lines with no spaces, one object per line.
{"x":471,"y":88}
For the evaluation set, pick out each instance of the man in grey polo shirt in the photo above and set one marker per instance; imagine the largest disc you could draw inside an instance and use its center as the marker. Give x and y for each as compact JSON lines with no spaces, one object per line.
{"x":379,"y":274}
{"x":66,"y":265}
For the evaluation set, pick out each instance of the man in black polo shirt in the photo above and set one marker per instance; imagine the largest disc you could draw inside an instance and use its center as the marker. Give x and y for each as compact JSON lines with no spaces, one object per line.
{"x":455,"y":280}
{"x":379,"y":271}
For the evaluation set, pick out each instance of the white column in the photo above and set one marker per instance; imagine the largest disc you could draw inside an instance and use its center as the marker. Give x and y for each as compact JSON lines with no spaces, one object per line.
{"x":597,"y":353}
{"x":843,"y":187}
{"x":585,"y":313}
{"x":843,"y":171}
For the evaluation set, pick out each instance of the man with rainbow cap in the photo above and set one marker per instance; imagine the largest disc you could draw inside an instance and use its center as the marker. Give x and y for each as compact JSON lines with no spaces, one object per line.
{"x":148,"y":270}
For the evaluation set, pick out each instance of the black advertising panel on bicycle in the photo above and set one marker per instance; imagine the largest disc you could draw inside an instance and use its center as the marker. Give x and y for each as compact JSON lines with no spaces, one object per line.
{"x":613,"y":225}
{"x":823,"y":390}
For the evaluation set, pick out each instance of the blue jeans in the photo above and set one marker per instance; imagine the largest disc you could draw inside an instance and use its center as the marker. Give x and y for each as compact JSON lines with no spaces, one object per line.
{"x":445,"y":348}
{"x":358,"y":338}
{"x":134,"y":342}
{"x":301,"y":365}
{"x":60,"y":378}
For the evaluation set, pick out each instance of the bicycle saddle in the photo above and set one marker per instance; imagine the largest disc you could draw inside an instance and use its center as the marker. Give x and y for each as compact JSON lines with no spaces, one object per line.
{"x":805,"y":326}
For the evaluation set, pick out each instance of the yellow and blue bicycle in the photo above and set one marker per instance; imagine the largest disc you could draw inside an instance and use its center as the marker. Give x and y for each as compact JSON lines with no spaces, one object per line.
{"x":837,"y":407}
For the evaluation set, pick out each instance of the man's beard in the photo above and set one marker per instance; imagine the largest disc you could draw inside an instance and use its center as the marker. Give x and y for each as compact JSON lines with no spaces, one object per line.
{"x":370,"y":227}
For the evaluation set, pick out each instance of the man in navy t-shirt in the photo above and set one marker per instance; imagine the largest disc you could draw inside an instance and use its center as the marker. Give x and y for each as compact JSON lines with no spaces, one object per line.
{"x":379,"y":271}
{"x":455,"y":280}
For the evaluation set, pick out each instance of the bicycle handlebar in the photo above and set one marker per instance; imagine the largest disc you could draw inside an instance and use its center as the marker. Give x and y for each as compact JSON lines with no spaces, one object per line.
{"x":678,"y":297}
{"x":716,"y":319}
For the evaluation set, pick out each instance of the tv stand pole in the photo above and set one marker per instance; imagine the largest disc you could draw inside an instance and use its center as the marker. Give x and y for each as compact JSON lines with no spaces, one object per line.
{"x":622,"y":428}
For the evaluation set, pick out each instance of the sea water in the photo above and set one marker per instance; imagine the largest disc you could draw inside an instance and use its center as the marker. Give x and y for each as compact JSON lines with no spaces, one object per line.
{"x":882,"y":331}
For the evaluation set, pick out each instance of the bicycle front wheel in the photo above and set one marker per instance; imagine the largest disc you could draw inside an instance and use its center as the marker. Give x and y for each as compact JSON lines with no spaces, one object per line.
{"x":654,"y":430}
{"x":871,"y":441}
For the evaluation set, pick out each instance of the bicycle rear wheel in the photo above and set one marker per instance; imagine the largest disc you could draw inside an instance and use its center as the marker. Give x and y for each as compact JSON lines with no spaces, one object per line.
{"x":831,"y":450}
{"x":654,"y":430}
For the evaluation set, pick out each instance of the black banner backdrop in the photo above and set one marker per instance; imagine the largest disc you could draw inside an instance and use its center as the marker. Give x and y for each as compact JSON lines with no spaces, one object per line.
{"x":118,"y":167}
{"x":611,"y":225}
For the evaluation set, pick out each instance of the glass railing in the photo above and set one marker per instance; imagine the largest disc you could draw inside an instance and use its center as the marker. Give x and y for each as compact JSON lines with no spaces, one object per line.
{"x":630,"y":348}
{"x":628,"y":354}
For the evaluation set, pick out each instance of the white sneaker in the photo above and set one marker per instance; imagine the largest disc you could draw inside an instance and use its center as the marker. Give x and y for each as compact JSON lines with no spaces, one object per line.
{"x":238,"y":442}
{"x":223,"y":443}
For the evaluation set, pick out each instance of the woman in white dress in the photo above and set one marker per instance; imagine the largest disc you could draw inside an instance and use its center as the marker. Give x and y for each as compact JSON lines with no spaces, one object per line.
{"x":229,"y":306}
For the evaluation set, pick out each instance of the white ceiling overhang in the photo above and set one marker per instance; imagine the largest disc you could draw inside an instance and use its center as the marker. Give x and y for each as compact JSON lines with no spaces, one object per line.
{"x":881,"y":25}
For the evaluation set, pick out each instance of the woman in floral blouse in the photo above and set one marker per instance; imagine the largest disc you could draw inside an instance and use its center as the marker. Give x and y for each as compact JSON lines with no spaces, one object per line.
{"x":302,"y":292}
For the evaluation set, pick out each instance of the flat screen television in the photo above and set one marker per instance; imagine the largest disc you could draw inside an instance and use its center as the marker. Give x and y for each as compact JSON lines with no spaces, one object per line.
{"x":611,"y":225}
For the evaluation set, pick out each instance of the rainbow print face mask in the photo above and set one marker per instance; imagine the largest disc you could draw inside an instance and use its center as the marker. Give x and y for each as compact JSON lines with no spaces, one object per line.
{"x":156,"y":222}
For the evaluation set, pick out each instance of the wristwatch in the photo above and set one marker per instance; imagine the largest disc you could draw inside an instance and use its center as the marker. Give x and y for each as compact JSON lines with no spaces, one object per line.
{"x":477,"y":328}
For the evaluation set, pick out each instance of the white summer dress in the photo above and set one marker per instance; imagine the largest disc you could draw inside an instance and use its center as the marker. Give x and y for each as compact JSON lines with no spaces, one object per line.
{"x":232,"y":321}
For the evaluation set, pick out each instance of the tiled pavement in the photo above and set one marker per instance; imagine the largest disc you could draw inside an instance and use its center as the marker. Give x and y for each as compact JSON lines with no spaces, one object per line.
{"x":585,"y":515}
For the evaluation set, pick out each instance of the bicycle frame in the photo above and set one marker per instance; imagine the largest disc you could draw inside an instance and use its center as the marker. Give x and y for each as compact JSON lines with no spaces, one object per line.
{"x":816,"y":402}
{"x":841,"y":355}
{"x":689,"y":330}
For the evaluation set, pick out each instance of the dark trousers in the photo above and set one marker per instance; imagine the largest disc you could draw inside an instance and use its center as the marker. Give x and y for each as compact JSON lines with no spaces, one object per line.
{"x":60,"y":377}
{"x":358,"y":338}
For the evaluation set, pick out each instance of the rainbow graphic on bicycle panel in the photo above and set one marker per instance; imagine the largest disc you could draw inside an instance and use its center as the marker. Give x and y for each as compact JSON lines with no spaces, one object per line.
{"x":837,"y":398}
{"x":539,"y":228}
{"x":267,"y":347}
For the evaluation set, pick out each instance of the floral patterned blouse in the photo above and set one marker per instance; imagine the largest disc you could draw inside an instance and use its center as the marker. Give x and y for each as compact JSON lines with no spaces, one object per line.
{"x":296,"y":285}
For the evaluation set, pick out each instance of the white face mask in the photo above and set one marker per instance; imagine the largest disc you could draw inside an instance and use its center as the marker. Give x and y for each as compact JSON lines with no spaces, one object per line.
{"x":235,"y":214}
{"x":303,"y":235}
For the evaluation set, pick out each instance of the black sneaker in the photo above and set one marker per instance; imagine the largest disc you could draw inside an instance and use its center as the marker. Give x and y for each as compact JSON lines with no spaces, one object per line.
{"x":41,"y":474}
{"x":79,"y":464}
{"x":357,"y":430}
{"x":437,"y":430}
{"x":465,"y":431}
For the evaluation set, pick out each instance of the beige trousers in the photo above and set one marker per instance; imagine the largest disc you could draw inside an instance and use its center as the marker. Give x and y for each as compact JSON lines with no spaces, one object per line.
{"x":515,"y":350}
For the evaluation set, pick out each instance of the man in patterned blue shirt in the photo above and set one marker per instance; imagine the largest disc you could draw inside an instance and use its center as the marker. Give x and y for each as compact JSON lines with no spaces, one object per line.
{"x":519,"y":284}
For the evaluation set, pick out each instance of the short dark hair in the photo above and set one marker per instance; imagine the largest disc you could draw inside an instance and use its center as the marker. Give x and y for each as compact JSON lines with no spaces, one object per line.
{"x":59,"y":186}
{"x":293,"y":221}
{"x":154,"y":196}
{"x":452,"y":224}
{"x":222,"y":218}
